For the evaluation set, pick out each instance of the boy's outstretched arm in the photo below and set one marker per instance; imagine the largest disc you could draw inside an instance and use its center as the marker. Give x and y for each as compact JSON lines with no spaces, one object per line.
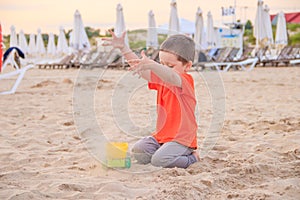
{"x":119,"y":43}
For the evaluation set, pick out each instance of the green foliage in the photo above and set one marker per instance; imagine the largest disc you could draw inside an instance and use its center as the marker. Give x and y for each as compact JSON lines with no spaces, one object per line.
{"x":294,"y":39}
{"x":136,"y":31}
{"x":249,"y":39}
{"x":137,"y":44}
{"x":68,"y":34}
{"x":293,"y":27}
{"x":248,"y":25}
{"x":45,"y":38}
{"x":92,"y":32}
{"x":161,"y":38}
{"x":6,"y":40}
{"x":137,"y":38}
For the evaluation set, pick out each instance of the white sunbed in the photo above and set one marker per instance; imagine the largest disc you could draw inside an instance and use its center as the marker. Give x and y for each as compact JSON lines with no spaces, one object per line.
{"x":295,"y":61}
{"x":246,"y":65}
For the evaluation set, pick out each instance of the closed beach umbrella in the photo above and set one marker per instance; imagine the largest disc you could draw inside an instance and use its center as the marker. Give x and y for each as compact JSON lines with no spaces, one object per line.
{"x":281,"y":33}
{"x":62,"y":45}
{"x":79,"y":40}
{"x":261,"y":26}
{"x":174,"y":26}
{"x":210,"y":35}
{"x":40,"y":46}
{"x":259,"y":29}
{"x":13,"y":37}
{"x":268,"y":25}
{"x":199,"y":36}
{"x":152,"y":40}
{"x":120,"y":23}
{"x":23,"y":42}
{"x":51,"y":48}
{"x":32,"y":44}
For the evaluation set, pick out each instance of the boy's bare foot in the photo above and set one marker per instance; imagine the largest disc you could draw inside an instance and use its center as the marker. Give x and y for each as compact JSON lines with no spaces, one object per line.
{"x":195,"y":153}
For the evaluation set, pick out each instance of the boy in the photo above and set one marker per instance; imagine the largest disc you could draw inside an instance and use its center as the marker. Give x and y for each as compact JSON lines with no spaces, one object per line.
{"x":174,"y":142}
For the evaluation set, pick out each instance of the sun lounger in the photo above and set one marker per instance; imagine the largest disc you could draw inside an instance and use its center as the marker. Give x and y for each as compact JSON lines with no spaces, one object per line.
{"x":214,"y":56}
{"x":262,"y":55}
{"x":283,"y":57}
{"x":294,"y":62}
{"x":64,"y":62}
{"x":231,"y":60}
{"x":102,"y":59}
{"x":245,"y":65}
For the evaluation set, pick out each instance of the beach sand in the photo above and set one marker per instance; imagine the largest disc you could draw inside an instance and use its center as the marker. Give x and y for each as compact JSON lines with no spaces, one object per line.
{"x":45,"y":153}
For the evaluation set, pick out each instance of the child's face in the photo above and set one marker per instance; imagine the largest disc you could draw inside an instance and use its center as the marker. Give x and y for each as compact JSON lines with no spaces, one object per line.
{"x":170,"y":60}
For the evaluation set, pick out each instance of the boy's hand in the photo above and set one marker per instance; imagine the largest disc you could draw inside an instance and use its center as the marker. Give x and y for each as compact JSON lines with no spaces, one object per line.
{"x":116,"y":42}
{"x":139,"y":65}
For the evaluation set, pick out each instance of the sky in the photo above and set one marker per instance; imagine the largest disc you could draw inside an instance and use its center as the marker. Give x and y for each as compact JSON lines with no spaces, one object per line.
{"x":49,"y":15}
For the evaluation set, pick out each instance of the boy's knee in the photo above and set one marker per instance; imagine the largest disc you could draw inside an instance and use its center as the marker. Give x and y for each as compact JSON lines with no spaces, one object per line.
{"x":158,"y":161}
{"x":137,"y":148}
{"x":140,"y":155}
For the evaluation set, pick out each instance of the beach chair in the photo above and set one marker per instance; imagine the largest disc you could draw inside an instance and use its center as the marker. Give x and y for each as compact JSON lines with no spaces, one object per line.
{"x":245,"y":62}
{"x":63,"y":63}
{"x":263,"y":55}
{"x":283,"y":57}
{"x":210,"y":56}
{"x":295,"y":55}
{"x":247,"y":53}
{"x":245,"y":65}
{"x":295,"y":52}
{"x":102,"y":59}
{"x":12,"y":60}
{"x":232,"y":55}
{"x":116,"y":60}
{"x":219,"y":59}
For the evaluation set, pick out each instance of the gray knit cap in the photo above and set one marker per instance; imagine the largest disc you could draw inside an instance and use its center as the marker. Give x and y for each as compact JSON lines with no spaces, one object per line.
{"x":180,"y":45}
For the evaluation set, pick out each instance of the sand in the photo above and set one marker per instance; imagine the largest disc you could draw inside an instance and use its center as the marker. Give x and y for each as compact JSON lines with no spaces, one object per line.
{"x":46,"y":152}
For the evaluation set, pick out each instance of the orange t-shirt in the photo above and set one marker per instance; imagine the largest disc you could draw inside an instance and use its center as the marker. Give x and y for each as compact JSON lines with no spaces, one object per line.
{"x":175,"y":111}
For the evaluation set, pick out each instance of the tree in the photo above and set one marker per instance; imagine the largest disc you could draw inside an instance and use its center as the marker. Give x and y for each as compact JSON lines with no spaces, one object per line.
{"x":248,"y":25}
{"x":92,"y":32}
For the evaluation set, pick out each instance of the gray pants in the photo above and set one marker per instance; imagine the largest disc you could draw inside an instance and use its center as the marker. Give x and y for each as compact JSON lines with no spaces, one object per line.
{"x":170,"y":154}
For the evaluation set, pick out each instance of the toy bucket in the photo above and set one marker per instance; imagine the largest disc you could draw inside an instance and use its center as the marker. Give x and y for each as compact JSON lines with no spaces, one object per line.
{"x":116,"y":150}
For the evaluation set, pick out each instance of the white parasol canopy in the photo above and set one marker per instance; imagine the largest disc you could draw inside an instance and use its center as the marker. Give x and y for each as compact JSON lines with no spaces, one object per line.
{"x":62,"y":44}
{"x":78,"y":39}
{"x":13,"y":37}
{"x":23,"y":42}
{"x":262,"y":26}
{"x":174,"y":26}
{"x":268,"y":24}
{"x":51,"y":48}
{"x":152,"y":40}
{"x":210,"y":35}
{"x":281,"y":32}
{"x":32,"y":45}
{"x":120,"y":23}
{"x":199,"y":36}
{"x":40,"y":46}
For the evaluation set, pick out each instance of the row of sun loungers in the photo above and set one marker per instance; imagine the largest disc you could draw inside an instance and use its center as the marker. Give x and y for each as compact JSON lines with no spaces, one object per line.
{"x":220,"y":59}
{"x":286,"y":56}
{"x":223,"y":59}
